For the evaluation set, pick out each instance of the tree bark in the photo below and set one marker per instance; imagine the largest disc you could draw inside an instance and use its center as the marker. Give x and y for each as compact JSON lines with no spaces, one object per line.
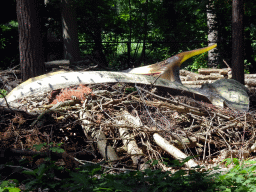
{"x":171,"y":15}
{"x":237,"y":41}
{"x":145,"y":28}
{"x":30,"y":38}
{"x":212,"y":34}
{"x":70,"y":34}
{"x":96,"y":33}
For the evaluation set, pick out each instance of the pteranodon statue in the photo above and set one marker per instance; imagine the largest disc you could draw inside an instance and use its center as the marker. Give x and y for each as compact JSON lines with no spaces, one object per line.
{"x":222,"y":92}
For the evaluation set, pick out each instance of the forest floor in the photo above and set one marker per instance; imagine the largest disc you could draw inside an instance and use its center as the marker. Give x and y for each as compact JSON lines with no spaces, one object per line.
{"x":129,"y":120}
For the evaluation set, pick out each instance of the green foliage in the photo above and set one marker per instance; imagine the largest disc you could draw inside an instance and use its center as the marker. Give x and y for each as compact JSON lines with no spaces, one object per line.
{"x":91,"y":177}
{"x":240,"y":178}
{"x":10,"y":185}
{"x":43,"y":176}
{"x":130,"y":90}
{"x":165,"y":26}
{"x":9,"y":44}
{"x":246,"y":66}
{"x":200,"y":61}
{"x":3,"y":93}
{"x":53,"y":149}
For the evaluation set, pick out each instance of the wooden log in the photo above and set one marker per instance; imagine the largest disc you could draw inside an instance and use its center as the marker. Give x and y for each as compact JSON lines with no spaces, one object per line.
{"x":251,"y":89}
{"x":225,"y":71}
{"x":212,"y":76}
{"x":175,"y":152}
{"x":105,"y":149}
{"x":17,"y":71}
{"x":192,"y":77}
{"x":49,"y":65}
{"x":129,"y":141}
{"x":206,"y":71}
{"x":188,"y":75}
{"x":182,"y":78}
{"x":250,"y":82}
{"x":57,"y":63}
{"x":250,"y":76}
{"x":186,"y":72}
{"x":64,"y":62}
{"x":190,"y":143}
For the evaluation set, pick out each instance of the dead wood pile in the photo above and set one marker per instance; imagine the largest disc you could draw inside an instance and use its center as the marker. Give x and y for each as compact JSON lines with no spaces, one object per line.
{"x":126,"y":125}
{"x":210,"y":75}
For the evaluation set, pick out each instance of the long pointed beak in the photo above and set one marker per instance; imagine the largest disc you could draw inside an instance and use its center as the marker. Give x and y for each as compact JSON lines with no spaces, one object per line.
{"x":177,"y":60}
{"x":188,"y":54}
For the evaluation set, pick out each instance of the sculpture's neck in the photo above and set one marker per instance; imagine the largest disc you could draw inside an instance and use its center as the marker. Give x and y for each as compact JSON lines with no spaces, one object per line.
{"x":176,"y":74}
{"x":171,"y":72}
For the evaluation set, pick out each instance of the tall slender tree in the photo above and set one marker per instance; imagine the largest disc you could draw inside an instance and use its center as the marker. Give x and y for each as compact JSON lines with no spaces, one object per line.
{"x":30,"y":38}
{"x":212,"y":34}
{"x":70,"y":34}
{"x":145,"y":32}
{"x":238,"y":41}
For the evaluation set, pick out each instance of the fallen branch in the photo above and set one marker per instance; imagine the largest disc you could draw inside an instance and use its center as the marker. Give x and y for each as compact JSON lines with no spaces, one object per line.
{"x":105,"y":150}
{"x":176,"y":153}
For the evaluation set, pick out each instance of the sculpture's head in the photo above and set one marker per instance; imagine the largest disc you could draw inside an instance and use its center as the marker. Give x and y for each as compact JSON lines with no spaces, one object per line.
{"x":169,"y":68}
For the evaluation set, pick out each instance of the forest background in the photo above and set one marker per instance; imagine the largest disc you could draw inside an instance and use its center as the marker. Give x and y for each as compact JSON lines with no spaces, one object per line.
{"x":132,"y":33}
{"x":122,"y":34}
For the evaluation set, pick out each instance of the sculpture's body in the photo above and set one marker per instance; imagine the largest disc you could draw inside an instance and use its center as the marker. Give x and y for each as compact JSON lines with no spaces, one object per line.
{"x":227,"y":91}
{"x":223,"y":91}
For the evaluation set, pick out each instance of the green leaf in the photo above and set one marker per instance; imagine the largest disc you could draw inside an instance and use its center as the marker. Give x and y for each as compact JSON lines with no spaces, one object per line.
{"x":57,"y":150}
{"x":3,"y":93}
{"x":155,"y":162}
{"x":13,"y":189}
{"x":39,"y":146}
{"x":59,"y":144}
{"x":41,"y":169}
{"x":4,"y":184}
{"x":9,"y":185}
{"x":29,"y":172}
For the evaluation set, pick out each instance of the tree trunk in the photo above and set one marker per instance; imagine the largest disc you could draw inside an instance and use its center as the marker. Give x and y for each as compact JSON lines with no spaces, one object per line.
{"x":69,"y":27}
{"x":212,"y":35}
{"x":143,"y":54}
{"x":171,"y":15}
{"x":98,"y":48}
{"x":237,"y":41}
{"x":45,"y":30}
{"x":30,"y":38}
{"x":130,"y":36}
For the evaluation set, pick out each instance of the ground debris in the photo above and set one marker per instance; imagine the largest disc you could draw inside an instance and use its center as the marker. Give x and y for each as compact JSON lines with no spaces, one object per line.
{"x":124,"y":124}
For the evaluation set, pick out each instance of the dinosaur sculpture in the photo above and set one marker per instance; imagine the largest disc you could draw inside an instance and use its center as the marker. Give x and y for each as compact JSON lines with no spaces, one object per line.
{"x":224,"y":91}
